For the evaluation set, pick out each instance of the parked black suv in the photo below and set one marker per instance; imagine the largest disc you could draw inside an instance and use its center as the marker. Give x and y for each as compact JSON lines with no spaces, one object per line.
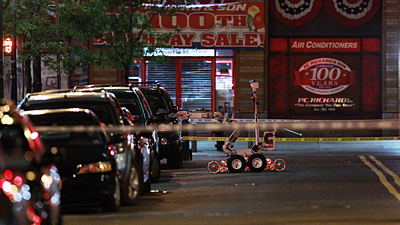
{"x":128,"y":156}
{"x":134,"y":101}
{"x":170,"y":142}
{"x":79,"y":146}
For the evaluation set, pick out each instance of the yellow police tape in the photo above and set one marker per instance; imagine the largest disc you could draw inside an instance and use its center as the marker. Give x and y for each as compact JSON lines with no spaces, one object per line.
{"x":193,"y":138}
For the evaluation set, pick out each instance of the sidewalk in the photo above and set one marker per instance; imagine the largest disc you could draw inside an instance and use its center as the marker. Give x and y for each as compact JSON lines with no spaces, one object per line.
{"x":203,"y":146}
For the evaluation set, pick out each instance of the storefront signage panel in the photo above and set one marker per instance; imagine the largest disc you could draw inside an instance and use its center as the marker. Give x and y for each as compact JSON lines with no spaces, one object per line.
{"x":325,"y":82}
{"x":185,"y":52}
{"x":325,"y":45}
{"x":325,"y":87}
{"x":205,"y":26}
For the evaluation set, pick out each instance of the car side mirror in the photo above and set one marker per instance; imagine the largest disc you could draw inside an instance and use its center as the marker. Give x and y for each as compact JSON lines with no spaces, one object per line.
{"x":175,"y":109}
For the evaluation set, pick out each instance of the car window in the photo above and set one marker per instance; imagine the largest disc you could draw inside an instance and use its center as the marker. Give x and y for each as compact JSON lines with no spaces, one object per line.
{"x":133,"y":109}
{"x":73,"y":138}
{"x":129,"y":100}
{"x":13,"y":140}
{"x":146,"y":105}
{"x":68,"y":119}
{"x":103,"y":111}
{"x":64,"y":119}
{"x":157,"y":103}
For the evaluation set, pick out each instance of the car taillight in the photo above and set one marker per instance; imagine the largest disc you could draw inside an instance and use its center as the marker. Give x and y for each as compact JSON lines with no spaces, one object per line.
{"x":34,"y":135}
{"x":111,"y":148}
{"x":116,"y":148}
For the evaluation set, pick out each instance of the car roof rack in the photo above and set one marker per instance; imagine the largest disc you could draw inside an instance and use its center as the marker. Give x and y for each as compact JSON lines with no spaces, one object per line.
{"x":131,"y":85}
{"x":138,"y":84}
{"x":100,"y":86}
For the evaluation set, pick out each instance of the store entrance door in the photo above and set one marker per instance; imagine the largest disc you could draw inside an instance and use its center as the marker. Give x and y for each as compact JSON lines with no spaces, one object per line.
{"x":187,"y":80}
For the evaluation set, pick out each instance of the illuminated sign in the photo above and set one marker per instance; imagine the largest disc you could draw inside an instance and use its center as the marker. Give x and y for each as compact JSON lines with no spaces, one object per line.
{"x":185,"y":52}
{"x":7,"y":43}
{"x":325,"y":45}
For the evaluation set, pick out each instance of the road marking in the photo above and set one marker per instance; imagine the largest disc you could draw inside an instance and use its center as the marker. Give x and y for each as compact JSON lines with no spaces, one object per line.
{"x":381,"y":176}
{"x":387,"y":170}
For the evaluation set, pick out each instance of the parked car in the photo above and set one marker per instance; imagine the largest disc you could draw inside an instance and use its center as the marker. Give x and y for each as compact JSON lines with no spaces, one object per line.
{"x":135,"y":104}
{"x":160,"y":102}
{"x":80,"y":148}
{"x":30,"y":187}
{"x":130,"y":159}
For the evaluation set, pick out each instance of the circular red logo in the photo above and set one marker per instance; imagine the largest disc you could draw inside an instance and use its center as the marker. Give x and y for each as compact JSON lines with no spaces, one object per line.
{"x":324,"y":76}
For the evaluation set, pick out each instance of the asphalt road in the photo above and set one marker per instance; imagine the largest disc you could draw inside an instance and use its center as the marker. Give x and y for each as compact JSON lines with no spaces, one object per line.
{"x":323,"y":183}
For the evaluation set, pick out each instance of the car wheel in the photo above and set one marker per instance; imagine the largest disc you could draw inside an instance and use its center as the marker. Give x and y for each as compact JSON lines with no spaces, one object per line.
{"x":236,"y":164}
{"x":112,"y":203}
{"x":132,"y":188}
{"x":257,"y":162}
{"x":155,"y":170}
{"x":147,"y":186}
{"x":175,"y":161}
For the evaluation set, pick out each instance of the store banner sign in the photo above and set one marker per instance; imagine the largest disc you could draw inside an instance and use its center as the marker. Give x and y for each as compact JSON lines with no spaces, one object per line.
{"x":231,"y":25}
{"x":182,"y":52}
{"x":325,"y":45}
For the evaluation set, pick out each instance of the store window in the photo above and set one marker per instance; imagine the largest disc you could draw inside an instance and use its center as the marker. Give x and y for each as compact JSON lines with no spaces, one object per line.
{"x":224,"y":86}
{"x":134,"y":74}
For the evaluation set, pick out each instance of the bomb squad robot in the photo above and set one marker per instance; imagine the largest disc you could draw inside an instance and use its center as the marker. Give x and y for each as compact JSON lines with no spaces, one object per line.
{"x":247,"y":159}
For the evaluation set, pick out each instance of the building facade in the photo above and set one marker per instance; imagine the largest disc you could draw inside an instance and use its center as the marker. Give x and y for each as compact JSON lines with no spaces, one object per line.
{"x":313,"y":59}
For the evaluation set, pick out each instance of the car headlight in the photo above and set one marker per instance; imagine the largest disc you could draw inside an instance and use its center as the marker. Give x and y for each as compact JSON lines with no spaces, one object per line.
{"x":99,"y":167}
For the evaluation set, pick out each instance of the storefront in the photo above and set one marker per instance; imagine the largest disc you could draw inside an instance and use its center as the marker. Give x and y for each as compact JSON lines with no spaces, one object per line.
{"x":201,"y":73}
{"x":195,"y":79}
{"x":323,"y":59}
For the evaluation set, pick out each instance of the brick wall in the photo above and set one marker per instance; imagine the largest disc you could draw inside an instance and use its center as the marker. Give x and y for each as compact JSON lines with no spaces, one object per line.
{"x":249,"y":66}
{"x":98,"y":75}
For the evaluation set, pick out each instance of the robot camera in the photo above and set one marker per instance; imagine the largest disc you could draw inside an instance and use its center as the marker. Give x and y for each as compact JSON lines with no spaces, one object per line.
{"x":253,"y":84}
